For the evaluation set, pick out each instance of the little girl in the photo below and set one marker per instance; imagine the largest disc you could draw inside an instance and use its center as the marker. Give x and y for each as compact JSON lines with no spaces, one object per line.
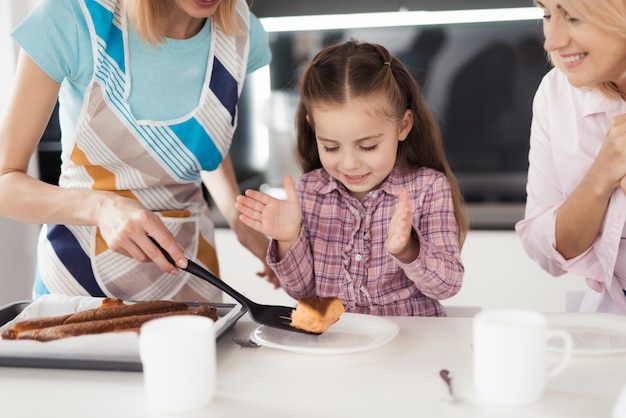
{"x":377,"y":218}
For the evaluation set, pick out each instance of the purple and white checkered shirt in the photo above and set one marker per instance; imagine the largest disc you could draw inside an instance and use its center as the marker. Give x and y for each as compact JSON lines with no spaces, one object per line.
{"x":341,"y":247}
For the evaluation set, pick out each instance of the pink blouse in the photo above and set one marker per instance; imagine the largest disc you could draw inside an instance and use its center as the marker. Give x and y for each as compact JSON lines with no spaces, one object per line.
{"x":568,"y":128}
{"x":340,"y":250}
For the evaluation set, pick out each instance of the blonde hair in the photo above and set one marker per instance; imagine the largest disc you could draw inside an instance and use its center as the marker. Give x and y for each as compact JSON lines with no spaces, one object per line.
{"x":610,"y":15}
{"x":145,"y":17}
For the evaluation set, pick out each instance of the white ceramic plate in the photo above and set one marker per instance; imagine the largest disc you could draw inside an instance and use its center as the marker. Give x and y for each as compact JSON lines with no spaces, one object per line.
{"x":352,"y":333}
{"x":594,"y":334}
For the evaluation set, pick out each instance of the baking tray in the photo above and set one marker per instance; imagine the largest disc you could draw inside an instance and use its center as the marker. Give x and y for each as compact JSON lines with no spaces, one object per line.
{"x":10,"y":311}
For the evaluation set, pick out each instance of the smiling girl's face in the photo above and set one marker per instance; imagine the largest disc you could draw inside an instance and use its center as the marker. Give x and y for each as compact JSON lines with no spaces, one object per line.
{"x":588,"y":54}
{"x":357,"y":143}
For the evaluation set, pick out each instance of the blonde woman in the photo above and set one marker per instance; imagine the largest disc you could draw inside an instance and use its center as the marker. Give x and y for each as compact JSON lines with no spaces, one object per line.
{"x":576,"y":207}
{"x":148,"y":93}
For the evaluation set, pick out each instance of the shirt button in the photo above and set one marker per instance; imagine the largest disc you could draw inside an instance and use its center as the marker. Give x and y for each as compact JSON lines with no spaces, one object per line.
{"x":358,"y":257}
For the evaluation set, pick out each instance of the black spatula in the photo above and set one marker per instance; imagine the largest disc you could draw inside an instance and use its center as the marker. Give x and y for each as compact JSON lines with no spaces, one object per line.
{"x":270,"y":315}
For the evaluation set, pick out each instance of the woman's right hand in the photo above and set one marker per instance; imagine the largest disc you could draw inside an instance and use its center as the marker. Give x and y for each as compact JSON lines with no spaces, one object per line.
{"x":125,"y":226}
{"x":279,"y":219}
{"x":579,"y":219}
{"x":610,"y":163}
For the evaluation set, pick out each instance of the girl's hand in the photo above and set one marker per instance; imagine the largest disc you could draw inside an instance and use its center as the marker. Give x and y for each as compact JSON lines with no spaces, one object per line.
{"x":399,"y":241}
{"x":278,"y":219}
{"x":125,"y":225}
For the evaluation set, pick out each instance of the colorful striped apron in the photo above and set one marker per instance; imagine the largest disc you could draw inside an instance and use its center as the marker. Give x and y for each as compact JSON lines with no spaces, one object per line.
{"x":156,"y":163}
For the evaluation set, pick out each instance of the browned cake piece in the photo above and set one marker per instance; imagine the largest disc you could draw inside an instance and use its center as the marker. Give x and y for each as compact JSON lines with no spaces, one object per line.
{"x":315,"y":313}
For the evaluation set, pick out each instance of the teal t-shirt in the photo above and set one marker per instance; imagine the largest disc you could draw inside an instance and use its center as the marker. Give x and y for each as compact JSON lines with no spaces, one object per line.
{"x":166,"y":80}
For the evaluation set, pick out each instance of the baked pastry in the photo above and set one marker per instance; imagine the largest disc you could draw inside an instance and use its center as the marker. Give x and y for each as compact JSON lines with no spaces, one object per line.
{"x":315,"y":313}
{"x":109,"y":310}
{"x":113,"y":315}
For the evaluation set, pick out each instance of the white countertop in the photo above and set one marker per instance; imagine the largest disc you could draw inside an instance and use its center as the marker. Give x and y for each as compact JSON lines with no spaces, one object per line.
{"x":400,"y":378}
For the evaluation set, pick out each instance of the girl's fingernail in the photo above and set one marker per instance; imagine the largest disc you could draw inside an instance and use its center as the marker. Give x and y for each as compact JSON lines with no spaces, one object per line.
{"x":182,"y":263}
{"x":174,"y":272}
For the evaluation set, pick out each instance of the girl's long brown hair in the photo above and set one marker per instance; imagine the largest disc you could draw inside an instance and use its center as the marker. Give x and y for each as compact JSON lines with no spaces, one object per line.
{"x":368,"y":70}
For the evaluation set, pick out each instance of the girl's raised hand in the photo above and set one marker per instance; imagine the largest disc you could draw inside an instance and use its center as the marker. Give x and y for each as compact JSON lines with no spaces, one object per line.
{"x":278,"y":219}
{"x":399,"y":241}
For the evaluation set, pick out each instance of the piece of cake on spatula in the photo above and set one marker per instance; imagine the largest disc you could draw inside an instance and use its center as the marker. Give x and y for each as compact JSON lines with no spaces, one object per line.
{"x":315,"y":313}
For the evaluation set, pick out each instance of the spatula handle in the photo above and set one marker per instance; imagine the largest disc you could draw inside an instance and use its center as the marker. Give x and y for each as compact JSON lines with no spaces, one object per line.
{"x":206,"y":275}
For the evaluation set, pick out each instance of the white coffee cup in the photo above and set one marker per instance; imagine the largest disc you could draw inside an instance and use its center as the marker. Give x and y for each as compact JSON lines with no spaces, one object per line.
{"x":510,"y":360}
{"x":178,"y":358}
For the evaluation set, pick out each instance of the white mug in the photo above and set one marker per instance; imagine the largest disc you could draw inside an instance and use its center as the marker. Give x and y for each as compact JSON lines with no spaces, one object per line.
{"x":510,"y":360}
{"x":178,"y":358}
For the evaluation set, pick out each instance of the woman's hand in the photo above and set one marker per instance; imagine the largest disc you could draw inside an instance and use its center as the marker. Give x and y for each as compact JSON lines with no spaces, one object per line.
{"x":609,"y":167}
{"x":399,"y":242}
{"x":579,"y":219}
{"x":278,"y":219}
{"x":125,"y":226}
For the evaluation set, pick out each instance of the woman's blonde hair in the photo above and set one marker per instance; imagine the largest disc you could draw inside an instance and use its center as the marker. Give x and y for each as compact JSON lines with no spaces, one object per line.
{"x":610,"y":16}
{"x":145,"y":17}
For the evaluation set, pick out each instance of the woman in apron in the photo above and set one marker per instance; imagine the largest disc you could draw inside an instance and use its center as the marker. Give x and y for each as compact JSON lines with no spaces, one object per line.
{"x":148,"y":95}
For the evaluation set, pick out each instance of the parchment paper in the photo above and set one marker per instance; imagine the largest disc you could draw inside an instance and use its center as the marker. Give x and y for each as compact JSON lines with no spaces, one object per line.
{"x":121,"y":346}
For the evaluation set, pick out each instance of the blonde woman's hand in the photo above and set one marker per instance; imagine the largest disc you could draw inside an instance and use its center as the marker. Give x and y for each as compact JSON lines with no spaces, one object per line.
{"x":609,"y":167}
{"x":399,"y":241}
{"x":617,"y":132}
{"x":125,"y":226}
{"x":278,"y":219}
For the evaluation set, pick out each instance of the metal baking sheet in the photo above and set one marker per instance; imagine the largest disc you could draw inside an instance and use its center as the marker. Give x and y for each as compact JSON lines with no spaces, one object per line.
{"x":10,"y":311}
